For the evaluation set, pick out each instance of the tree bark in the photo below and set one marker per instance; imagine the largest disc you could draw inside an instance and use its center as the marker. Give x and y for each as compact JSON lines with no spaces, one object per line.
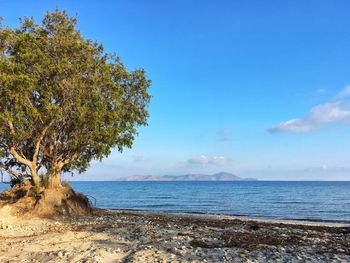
{"x":35,"y":176}
{"x":30,"y":164}
{"x":55,"y":175}
{"x":55,"y":180}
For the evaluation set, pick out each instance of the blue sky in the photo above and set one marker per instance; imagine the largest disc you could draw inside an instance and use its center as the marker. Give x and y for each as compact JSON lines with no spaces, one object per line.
{"x":257,"y":88}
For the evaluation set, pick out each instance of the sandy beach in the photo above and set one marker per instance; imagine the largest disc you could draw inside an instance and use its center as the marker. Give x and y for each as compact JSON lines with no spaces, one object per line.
{"x":135,"y":236}
{"x":174,"y":131}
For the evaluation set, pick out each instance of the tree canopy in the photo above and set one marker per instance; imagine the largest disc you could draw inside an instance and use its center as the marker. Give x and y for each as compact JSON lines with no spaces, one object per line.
{"x":63,"y":100}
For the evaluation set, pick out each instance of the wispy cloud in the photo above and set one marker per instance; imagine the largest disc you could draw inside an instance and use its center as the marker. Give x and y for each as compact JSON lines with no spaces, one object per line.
{"x":204,"y":160}
{"x":345,"y":93}
{"x":333,"y":111}
{"x":320,"y":92}
{"x":141,"y":158}
{"x":224,"y":135}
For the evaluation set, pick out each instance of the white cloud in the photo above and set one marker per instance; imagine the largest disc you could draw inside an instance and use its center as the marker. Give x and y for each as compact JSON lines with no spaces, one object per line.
{"x":294,"y":125}
{"x":205,"y":160}
{"x":141,"y":158}
{"x":202,"y":160}
{"x":219,"y":160}
{"x":336,"y":110}
{"x":343,"y":94}
{"x":329,"y":112}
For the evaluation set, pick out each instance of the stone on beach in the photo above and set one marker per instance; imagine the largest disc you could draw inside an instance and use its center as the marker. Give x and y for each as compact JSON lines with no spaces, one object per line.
{"x":120,"y":236}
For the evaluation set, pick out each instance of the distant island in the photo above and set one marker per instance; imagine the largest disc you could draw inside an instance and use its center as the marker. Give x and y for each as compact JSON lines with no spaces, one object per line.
{"x":222,"y":176}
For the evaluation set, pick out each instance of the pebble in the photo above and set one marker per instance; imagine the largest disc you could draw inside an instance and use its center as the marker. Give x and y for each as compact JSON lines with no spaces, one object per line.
{"x":175,"y":242}
{"x":60,"y":254}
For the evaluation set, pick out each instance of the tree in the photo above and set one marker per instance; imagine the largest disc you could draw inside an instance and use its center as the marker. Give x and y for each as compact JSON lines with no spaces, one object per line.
{"x":63,"y":100}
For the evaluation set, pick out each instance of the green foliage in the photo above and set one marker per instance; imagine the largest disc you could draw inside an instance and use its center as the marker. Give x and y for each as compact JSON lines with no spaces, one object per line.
{"x":66,"y":93}
{"x":16,"y":180}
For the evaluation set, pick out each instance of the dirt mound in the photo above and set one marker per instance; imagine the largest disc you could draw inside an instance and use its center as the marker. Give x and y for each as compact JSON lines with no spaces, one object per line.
{"x":62,"y":201}
{"x":25,"y":200}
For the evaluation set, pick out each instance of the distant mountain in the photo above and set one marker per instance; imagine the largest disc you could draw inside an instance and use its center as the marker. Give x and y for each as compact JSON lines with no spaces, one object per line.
{"x":222,"y":176}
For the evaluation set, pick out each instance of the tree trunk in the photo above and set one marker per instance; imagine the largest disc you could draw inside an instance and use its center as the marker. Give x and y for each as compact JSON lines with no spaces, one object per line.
{"x":55,"y":175}
{"x":35,"y":177}
{"x":55,"y":180}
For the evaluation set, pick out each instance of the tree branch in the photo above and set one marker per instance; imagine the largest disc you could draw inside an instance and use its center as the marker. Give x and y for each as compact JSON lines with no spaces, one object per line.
{"x":32,"y":106}
{"x":67,"y":161}
{"x":15,"y":154}
{"x":10,"y":124}
{"x":10,"y":171}
{"x":20,"y":158}
{"x":37,"y":144}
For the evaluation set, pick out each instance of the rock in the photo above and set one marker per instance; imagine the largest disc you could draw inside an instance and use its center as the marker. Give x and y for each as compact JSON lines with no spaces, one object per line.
{"x":60,"y":254}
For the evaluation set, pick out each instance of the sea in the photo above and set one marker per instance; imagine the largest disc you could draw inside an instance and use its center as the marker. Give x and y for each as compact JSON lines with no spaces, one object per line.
{"x":309,"y":200}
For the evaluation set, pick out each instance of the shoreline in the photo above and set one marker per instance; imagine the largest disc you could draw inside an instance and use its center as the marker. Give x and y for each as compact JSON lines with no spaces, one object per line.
{"x":309,"y":222}
{"x":144,"y":236}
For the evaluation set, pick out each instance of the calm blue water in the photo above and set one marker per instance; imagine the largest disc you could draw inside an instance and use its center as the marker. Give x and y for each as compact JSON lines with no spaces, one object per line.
{"x":329,"y":201}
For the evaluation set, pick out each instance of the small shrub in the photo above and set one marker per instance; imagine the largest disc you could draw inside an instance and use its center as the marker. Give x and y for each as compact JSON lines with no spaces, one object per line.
{"x":66,"y":184}
{"x":34,"y":191}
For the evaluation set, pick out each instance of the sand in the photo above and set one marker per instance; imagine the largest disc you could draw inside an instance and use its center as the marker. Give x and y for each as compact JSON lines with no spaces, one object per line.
{"x":131,"y":236}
